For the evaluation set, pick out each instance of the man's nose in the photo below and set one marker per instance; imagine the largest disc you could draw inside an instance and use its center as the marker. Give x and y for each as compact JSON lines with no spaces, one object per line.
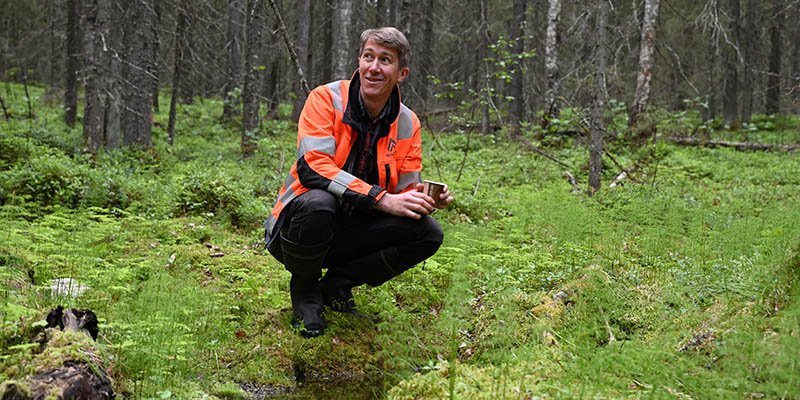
{"x":374,"y":65}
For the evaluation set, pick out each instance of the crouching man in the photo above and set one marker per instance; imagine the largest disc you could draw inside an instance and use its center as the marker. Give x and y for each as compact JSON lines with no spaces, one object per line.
{"x":353,"y":201}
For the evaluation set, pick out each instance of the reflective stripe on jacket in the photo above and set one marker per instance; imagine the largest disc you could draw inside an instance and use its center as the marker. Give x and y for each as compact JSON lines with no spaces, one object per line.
{"x":324,"y":142}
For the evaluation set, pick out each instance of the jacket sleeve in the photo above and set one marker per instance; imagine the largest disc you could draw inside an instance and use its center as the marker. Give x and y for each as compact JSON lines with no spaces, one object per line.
{"x":316,"y":151}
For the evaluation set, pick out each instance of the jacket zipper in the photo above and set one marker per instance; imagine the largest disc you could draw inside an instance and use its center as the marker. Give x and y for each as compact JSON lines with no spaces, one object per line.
{"x":388,"y":174}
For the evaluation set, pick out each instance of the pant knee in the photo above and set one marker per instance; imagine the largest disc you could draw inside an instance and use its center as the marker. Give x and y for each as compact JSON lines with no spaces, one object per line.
{"x":432,"y":232}
{"x":429,"y":238}
{"x":312,"y":218}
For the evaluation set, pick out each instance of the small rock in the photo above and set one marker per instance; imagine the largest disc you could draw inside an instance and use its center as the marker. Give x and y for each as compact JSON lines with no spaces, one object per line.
{"x":561,"y":297}
{"x":62,"y":287}
{"x":549,"y":338}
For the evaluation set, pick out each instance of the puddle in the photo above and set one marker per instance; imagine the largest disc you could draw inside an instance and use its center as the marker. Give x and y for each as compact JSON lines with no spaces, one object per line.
{"x":356,"y":388}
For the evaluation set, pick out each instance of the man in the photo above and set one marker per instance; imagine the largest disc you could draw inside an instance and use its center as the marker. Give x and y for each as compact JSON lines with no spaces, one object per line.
{"x":352,"y":201}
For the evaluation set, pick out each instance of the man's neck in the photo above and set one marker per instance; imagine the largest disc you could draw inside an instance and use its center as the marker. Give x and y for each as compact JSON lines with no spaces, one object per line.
{"x":374,"y":108}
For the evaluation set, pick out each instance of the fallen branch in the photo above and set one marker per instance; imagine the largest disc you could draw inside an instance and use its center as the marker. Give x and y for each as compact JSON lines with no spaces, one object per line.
{"x":531,"y":147}
{"x":742,"y":146}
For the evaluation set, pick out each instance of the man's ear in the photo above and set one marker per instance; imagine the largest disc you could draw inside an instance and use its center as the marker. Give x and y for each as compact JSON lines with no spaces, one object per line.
{"x":403,"y":74}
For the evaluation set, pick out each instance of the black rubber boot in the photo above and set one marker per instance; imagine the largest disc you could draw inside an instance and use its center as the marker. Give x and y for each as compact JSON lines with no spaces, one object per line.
{"x":337,"y":292}
{"x":305,"y":264}
{"x":373,"y":269}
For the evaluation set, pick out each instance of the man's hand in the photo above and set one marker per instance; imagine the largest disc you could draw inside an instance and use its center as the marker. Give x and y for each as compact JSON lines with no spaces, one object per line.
{"x":445,"y":198}
{"x":412,"y":204}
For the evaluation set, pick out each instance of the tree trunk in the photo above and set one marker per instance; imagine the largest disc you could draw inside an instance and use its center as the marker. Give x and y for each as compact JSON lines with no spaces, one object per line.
{"x":394,"y":11}
{"x":137,"y":119}
{"x":272,"y":82}
{"x":381,"y":13}
{"x":327,"y":50}
{"x":177,"y":68}
{"x":155,"y":67}
{"x":711,"y":83}
{"x":72,"y":64}
{"x":795,"y":85}
{"x":730,"y":101}
{"x":598,"y":127}
{"x":114,"y":78}
{"x":234,"y":60}
{"x":750,"y":49}
{"x":516,"y":33}
{"x":253,"y":68}
{"x":301,"y":47}
{"x":646,"y":61}
{"x":95,"y":98}
{"x":342,"y":58}
{"x":192,"y":82}
{"x":53,"y":81}
{"x":552,"y":77}
{"x":423,"y":58}
{"x":484,"y":81}
{"x":774,"y":78}
{"x":795,"y":82}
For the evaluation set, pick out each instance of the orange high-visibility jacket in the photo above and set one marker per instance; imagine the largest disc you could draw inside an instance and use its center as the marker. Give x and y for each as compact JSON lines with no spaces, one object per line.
{"x":324,"y":141}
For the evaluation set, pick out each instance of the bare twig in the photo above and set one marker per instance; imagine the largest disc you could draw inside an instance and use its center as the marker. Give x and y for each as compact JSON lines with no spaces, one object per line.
{"x":466,"y":151}
{"x":290,"y":47}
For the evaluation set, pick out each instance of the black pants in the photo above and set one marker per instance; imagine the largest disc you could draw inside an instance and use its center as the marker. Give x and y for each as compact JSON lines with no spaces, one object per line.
{"x":316,"y":217}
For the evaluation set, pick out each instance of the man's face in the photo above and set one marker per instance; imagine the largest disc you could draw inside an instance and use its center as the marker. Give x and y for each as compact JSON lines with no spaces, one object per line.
{"x":379,"y":70}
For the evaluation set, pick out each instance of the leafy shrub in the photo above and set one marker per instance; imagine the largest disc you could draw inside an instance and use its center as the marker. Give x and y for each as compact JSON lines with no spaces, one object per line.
{"x":215,"y":192}
{"x":47,"y":179}
{"x":12,"y":150}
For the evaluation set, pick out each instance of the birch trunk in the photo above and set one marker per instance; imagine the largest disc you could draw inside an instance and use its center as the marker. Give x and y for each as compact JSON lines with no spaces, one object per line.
{"x":551,"y":62}
{"x":517,"y":34}
{"x":646,"y":61}
{"x":343,"y":57}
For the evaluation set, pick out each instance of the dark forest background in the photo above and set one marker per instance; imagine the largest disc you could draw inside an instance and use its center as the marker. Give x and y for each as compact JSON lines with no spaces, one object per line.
{"x":515,"y":63}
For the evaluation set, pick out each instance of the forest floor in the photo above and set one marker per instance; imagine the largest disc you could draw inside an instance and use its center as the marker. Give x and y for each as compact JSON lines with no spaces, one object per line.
{"x":680,"y":283}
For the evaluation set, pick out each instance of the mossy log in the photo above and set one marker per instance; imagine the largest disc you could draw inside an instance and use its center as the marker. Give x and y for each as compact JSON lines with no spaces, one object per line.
{"x":65,"y":365}
{"x":74,"y":380}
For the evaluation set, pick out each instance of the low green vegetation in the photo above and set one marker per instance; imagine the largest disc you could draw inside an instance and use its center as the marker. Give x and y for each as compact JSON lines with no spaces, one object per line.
{"x":680,"y":284}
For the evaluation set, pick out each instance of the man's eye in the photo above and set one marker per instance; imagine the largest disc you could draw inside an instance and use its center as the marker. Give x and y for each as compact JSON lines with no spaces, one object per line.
{"x":386,"y":60}
{"x":368,"y":56}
